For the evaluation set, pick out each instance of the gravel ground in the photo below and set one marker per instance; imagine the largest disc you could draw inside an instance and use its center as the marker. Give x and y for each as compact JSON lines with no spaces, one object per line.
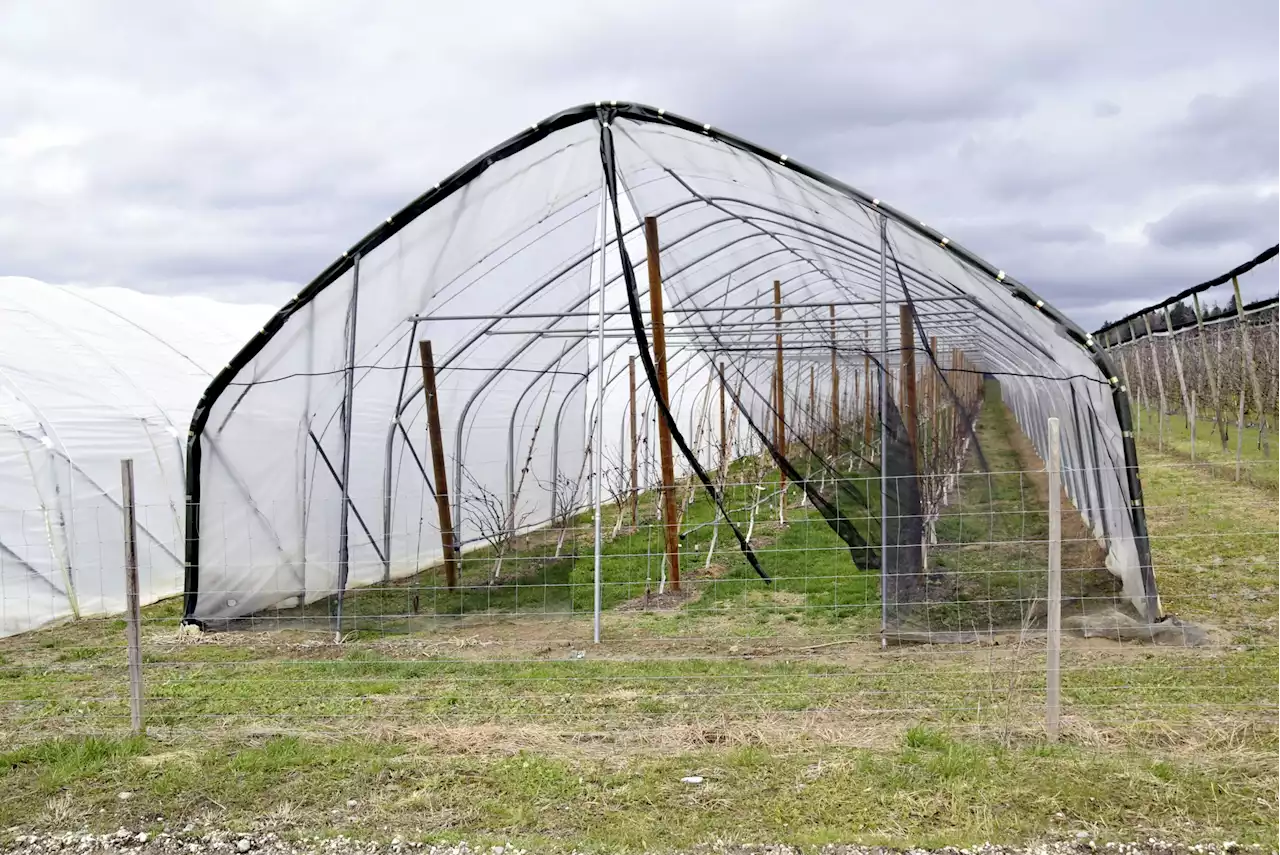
{"x":194,"y":842}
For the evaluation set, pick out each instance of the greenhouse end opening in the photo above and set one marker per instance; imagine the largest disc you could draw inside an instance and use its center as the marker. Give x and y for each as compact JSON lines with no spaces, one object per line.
{"x":627,"y":359}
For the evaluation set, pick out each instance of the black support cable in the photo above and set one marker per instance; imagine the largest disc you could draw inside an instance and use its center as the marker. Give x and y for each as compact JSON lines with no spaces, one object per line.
{"x":642,"y":342}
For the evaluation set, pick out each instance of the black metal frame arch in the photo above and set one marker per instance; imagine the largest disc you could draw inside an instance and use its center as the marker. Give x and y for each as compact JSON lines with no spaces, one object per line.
{"x":609,"y":113}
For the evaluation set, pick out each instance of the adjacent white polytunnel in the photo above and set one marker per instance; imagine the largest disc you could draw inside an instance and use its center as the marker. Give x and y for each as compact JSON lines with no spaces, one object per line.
{"x":89,"y":376}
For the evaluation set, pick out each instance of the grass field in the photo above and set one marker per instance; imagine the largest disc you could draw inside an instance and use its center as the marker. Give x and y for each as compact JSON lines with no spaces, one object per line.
{"x":1259,"y":463}
{"x":502,"y":722}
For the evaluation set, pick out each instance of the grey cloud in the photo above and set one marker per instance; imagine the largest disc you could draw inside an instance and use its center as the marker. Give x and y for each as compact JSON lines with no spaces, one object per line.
{"x":1220,"y":219}
{"x":238,"y":147}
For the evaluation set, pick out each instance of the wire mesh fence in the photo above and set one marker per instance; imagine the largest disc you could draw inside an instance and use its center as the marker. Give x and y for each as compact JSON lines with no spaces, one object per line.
{"x":506,"y":652}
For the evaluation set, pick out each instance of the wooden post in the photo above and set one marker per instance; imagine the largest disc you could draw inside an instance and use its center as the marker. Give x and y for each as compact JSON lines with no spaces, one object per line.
{"x":1144,"y":397}
{"x":448,"y":540}
{"x":835,"y":389}
{"x":1240,"y":436}
{"x":1211,"y":371}
{"x":670,"y":521}
{"x":724,"y":430}
{"x":907,"y":368}
{"x":1191,"y":417}
{"x":867,"y":409}
{"x":780,"y":424}
{"x":934,"y":421}
{"x":813,"y":411}
{"x":1177,"y":364}
{"x":1054,"y":670}
{"x":635,"y":468}
{"x":1155,"y":366}
{"x":132,"y":599}
{"x":1246,"y":354}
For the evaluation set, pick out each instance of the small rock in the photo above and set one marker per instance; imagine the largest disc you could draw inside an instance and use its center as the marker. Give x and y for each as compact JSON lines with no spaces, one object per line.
{"x":125,"y":796}
{"x":243,"y":845}
{"x":142,"y":837}
{"x":352,"y":803}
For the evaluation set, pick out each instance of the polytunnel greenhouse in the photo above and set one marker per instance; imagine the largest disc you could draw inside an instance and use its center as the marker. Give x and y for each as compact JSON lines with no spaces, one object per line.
{"x":88,"y":377}
{"x":615,"y":278}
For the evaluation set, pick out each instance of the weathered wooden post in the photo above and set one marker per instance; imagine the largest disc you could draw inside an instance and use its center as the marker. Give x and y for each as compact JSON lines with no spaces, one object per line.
{"x":448,"y":539}
{"x":670,"y":521}
{"x":132,"y":598}
{"x":907,"y":367}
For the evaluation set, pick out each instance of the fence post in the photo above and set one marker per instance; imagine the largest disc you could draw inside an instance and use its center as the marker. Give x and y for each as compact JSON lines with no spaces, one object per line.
{"x":1240,"y":435}
{"x":1053,"y":676}
{"x":1191,"y":418}
{"x":448,"y":537}
{"x":133,"y":619}
{"x":657,"y":322}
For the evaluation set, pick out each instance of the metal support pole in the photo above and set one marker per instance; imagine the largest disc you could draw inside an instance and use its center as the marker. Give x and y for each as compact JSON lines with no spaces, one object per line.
{"x":635,"y":473}
{"x":1053,"y":709}
{"x":884,"y":434}
{"x":133,"y":618}
{"x":448,"y":539}
{"x":348,"y":411}
{"x":597,"y":556}
{"x":835,"y":389}
{"x":670,"y":522}
{"x":780,"y":401}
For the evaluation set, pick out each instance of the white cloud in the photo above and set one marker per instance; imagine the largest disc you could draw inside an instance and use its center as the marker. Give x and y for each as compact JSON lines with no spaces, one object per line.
{"x":236,"y":148}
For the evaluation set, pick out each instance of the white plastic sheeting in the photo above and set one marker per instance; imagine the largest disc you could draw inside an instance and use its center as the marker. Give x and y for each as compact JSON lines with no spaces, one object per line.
{"x":500,"y":268}
{"x":89,"y":376}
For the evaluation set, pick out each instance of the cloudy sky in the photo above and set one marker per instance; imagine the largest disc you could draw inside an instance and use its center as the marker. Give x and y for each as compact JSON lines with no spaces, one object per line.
{"x":1106,"y":153}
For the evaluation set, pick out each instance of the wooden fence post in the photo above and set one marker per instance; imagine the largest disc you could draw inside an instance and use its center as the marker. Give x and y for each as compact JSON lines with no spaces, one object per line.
{"x":671,"y":522}
{"x":132,"y":598}
{"x":1246,"y":354}
{"x":448,"y":539}
{"x":1054,"y":664}
{"x":907,"y":368}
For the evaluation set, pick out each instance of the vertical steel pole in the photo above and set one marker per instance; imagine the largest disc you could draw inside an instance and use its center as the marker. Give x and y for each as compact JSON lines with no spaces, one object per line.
{"x":780,"y":422}
{"x":348,"y":410}
{"x":884,"y":433}
{"x":635,"y":478}
{"x":835,"y":389}
{"x":599,"y":438}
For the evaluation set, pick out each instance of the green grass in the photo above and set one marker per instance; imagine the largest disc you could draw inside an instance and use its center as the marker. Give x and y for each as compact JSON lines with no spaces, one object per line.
{"x":928,"y":789}
{"x":1259,"y":463}
{"x":488,"y":726}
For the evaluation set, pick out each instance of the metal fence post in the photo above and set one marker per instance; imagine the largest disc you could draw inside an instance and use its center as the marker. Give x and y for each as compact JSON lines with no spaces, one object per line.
{"x":133,"y":620}
{"x":1053,"y":676}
